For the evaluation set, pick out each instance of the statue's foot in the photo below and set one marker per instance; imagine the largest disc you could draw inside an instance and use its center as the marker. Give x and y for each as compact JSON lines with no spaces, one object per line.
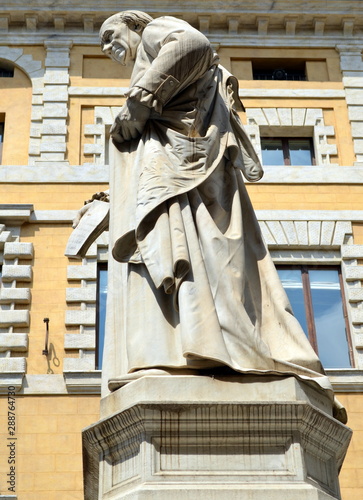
{"x":116,"y":383}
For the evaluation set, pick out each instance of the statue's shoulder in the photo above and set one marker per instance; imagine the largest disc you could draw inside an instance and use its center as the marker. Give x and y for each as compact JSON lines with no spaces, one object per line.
{"x":165,"y":25}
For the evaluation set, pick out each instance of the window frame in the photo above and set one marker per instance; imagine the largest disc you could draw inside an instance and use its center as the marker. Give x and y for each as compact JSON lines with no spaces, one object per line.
{"x":101,"y":266}
{"x":308,"y":303}
{"x":286,"y":150}
{"x":2,"y":132}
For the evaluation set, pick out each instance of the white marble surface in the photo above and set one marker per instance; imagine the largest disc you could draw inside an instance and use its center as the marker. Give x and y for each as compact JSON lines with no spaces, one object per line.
{"x":211,"y":438}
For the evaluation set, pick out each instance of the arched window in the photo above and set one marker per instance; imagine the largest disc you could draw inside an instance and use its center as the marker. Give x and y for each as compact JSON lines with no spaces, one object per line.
{"x":15,"y":114}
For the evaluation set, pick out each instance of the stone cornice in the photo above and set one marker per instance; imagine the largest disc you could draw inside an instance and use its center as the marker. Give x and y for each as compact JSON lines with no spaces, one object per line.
{"x":90,"y":174}
{"x":342,"y":20}
{"x":349,"y":8}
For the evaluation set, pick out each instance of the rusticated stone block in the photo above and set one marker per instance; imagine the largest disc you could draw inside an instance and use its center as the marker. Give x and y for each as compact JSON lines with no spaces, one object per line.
{"x":87,"y":317}
{"x":12,"y":365}
{"x":83,"y":294}
{"x":79,"y":341}
{"x":16,"y":273}
{"x":88,"y":272}
{"x":20,"y":250}
{"x":13,"y":342}
{"x":14,"y":318}
{"x":15,"y":295}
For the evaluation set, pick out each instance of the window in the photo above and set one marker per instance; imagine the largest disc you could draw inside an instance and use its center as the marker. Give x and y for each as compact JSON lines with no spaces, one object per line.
{"x":279,"y":69}
{"x":101,"y":312}
{"x":294,"y":151}
{"x":6,"y":71}
{"x":317,"y":299}
{"x":1,"y":139}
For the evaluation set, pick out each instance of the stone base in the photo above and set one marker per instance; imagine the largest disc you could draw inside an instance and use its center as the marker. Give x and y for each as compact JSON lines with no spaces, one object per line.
{"x":202,"y":437}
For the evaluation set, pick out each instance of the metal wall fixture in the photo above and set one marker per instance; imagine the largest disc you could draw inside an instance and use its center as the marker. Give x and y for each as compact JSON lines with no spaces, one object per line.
{"x":45,"y":350}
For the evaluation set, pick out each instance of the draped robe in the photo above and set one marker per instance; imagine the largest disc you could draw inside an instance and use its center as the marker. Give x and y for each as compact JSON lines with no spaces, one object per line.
{"x":192,"y":284}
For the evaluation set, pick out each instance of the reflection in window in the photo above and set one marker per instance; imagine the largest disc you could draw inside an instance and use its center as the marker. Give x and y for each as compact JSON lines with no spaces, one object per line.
{"x":101,"y":312}
{"x":317,"y":301}
{"x":287,"y":151}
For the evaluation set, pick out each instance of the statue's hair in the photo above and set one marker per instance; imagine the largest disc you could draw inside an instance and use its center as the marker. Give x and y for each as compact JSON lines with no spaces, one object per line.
{"x":134,"y":19}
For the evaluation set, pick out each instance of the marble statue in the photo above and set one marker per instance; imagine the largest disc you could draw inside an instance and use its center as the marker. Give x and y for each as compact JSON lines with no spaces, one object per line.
{"x":192,"y":287}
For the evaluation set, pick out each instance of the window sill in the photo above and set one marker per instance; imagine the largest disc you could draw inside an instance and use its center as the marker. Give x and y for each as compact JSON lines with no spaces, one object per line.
{"x":346,"y":379}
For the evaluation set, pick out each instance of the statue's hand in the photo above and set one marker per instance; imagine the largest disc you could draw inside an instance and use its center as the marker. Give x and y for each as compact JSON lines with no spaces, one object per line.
{"x":80,"y":214}
{"x":102,"y":196}
{"x":130,"y":122}
{"x":253,"y":173}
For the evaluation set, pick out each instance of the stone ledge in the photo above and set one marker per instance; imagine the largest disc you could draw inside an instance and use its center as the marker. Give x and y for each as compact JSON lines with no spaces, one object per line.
{"x":44,"y":172}
{"x":212,"y":389}
{"x":15,"y":212}
{"x":83,"y":382}
{"x":346,"y":379}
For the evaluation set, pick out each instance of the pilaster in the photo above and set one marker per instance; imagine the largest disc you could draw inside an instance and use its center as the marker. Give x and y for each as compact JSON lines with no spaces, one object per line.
{"x":351,"y":63}
{"x":48,"y":142}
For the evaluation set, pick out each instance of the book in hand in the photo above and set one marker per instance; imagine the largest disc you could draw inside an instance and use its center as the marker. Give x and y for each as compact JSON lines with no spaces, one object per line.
{"x":93,"y":222}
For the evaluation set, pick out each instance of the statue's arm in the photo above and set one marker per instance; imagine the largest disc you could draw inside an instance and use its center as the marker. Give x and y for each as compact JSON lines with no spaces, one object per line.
{"x":180,"y":55}
{"x":90,"y":221}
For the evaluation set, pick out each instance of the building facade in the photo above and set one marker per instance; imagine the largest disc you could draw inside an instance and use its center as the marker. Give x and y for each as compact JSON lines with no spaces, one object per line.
{"x":300,"y":69}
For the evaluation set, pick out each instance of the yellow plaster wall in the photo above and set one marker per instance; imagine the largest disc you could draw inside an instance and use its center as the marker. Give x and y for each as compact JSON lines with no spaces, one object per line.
{"x":89,"y":67}
{"x":306,"y":196}
{"x":48,"y":445}
{"x":15,"y":104}
{"x":351,"y":476}
{"x":49,"y":196}
{"x":48,"y":292}
{"x":358,"y":233}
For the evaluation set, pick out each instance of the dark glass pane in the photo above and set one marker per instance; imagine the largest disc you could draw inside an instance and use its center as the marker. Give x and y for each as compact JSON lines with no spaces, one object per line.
{"x":279,"y":69}
{"x":292,"y":282}
{"x":300,"y":152}
{"x":272,"y":153}
{"x":6,"y":72}
{"x":101,"y":314}
{"x":1,"y":140}
{"x":329,"y":319}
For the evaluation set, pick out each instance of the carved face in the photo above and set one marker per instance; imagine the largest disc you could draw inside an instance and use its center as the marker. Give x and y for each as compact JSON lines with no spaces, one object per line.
{"x":119,"y":42}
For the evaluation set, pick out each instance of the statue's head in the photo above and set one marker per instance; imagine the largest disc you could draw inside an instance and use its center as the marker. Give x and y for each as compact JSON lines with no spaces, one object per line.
{"x":120,"y":35}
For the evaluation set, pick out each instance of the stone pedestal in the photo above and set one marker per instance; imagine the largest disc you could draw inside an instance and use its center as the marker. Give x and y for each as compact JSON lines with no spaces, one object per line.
{"x":201,"y":437}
